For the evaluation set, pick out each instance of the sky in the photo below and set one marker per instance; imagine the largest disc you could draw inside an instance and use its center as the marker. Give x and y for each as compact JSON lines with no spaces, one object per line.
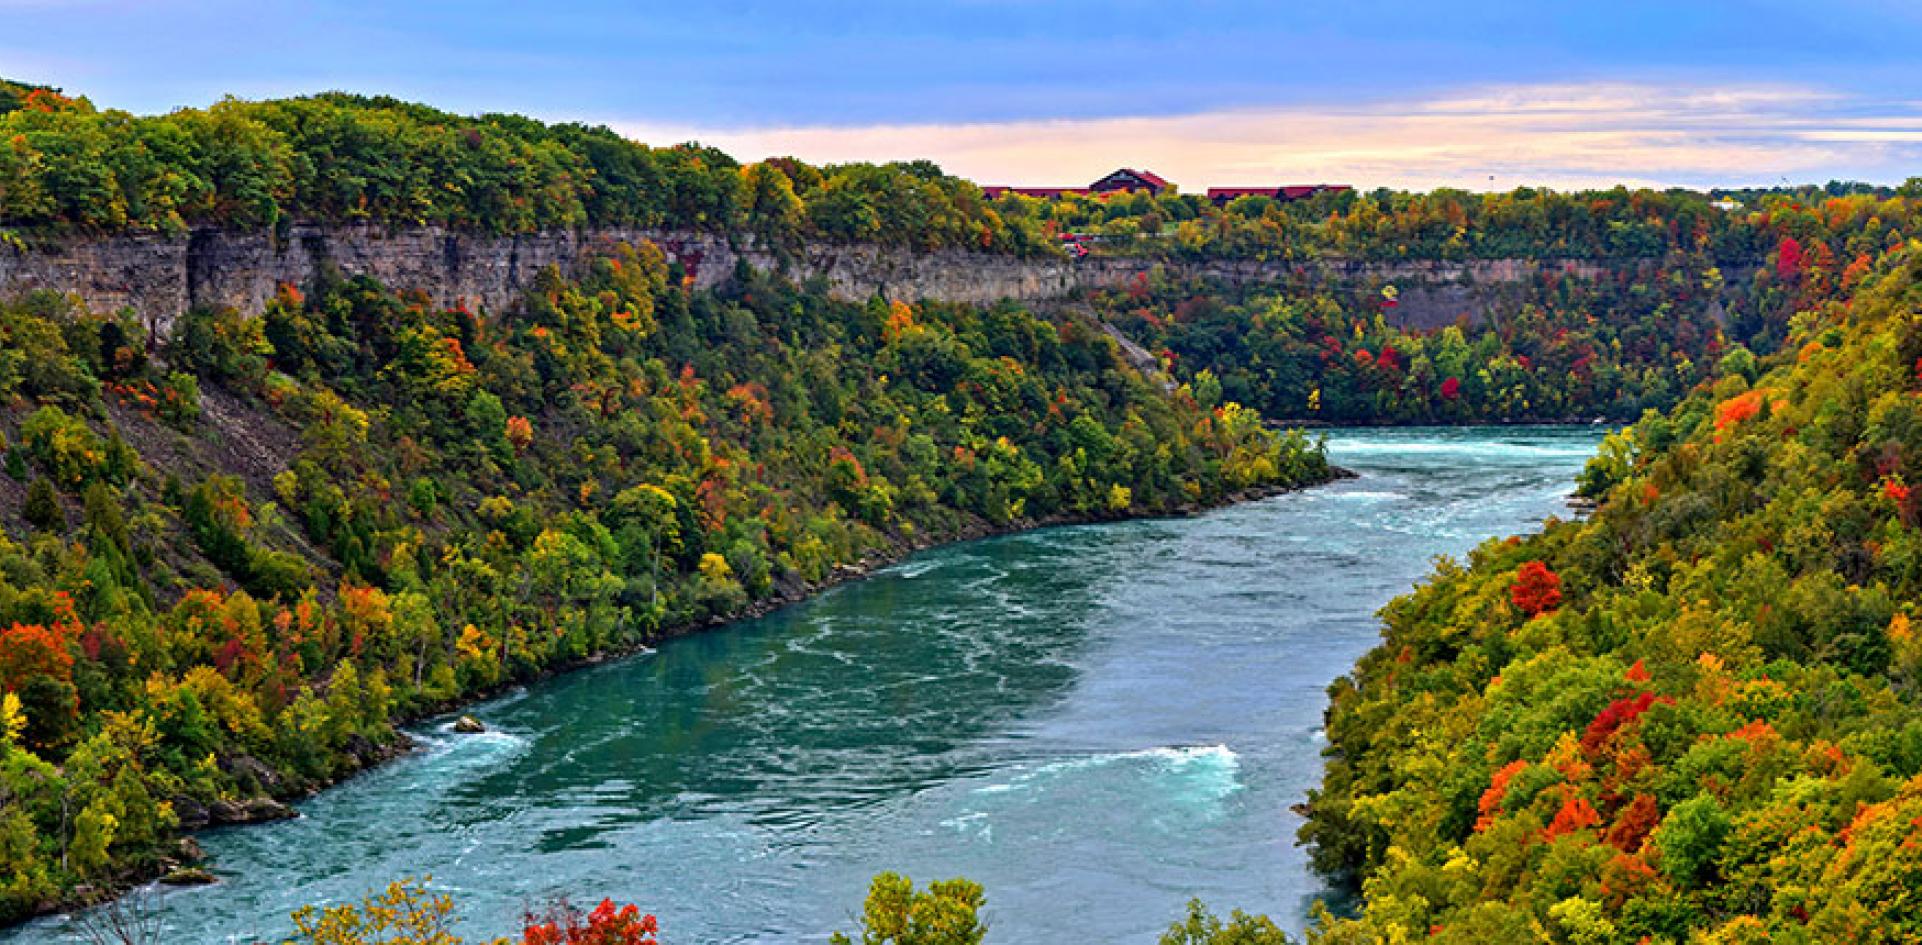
{"x":1483,"y":94}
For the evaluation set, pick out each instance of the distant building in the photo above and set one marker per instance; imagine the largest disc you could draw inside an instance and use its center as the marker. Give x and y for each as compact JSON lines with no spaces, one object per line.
{"x":1727,"y":204}
{"x":1287,"y":192}
{"x":1125,"y":180}
{"x":1130,"y":180}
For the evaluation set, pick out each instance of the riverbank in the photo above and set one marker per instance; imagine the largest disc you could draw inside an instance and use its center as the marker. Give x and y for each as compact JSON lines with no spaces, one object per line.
{"x":1143,"y":698}
{"x":800,"y":592}
{"x":372,"y":755}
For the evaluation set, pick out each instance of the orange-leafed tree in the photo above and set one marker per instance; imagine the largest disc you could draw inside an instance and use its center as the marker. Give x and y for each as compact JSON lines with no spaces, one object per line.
{"x":520,"y":433}
{"x":1634,"y":823}
{"x":1576,"y":813}
{"x":36,"y":665}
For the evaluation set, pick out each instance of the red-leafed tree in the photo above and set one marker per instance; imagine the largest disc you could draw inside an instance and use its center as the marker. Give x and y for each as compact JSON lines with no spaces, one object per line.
{"x":1789,"y":258}
{"x":1451,"y":389}
{"x":1536,"y":590}
{"x":1618,"y":714}
{"x":562,"y":924}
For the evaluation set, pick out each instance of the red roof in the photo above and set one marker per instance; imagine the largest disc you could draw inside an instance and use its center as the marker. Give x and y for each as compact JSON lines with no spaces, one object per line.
{"x":1129,"y":178}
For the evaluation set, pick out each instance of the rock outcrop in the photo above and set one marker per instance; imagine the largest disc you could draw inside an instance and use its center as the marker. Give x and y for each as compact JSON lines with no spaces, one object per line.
{"x":160,"y":276}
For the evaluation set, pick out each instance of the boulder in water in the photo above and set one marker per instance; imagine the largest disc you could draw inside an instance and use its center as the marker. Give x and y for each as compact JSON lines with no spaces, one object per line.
{"x":187,"y":850}
{"x":253,"y":810}
{"x":468,"y":725}
{"x":188,"y":876}
{"x":261,"y":809}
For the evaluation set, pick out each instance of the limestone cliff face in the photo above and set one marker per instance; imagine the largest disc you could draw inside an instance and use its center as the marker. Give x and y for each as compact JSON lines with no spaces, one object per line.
{"x":161,"y":276}
{"x":147,"y":273}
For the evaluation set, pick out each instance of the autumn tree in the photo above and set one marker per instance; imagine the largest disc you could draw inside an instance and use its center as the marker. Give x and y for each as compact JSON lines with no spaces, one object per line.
{"x":1536,"y":589}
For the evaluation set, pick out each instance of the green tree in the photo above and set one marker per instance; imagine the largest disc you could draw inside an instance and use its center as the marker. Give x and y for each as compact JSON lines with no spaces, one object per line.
{"x":42,"y":507}
{"x":1202,"y":927}
{"x":898,"y":914}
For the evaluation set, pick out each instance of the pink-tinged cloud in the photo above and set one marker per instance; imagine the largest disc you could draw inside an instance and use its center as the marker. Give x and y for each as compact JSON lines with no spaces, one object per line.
{"x":1494,"y":138}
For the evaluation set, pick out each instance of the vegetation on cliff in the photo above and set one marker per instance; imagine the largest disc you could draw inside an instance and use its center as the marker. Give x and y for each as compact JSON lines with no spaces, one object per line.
{"x":1566,"y":348}
{"x":1564,"y":345}
{"x":1691,"y":717}
{"x":225,"y":570}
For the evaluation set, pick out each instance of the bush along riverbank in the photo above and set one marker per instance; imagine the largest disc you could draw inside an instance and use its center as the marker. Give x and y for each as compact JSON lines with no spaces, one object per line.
{"x":230,"y":565}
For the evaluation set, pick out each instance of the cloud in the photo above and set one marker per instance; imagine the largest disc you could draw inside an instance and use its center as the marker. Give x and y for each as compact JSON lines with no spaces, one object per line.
{"x":1555,"y":135}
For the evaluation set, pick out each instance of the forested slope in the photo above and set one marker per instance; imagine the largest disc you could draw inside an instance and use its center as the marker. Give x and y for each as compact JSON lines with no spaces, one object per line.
{"x":228,"y":567}
{"x":1692,"y":716}
{"x":1570,"y":344}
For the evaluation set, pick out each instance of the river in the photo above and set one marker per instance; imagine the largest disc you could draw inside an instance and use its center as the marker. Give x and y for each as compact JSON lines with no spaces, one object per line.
{"x":1094,"y":722}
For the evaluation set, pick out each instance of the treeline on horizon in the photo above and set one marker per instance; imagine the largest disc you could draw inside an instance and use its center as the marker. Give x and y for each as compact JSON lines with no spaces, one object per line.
{"x":226,"y":571}
{"x":336,"y":157}
{"x":1528,"y":223}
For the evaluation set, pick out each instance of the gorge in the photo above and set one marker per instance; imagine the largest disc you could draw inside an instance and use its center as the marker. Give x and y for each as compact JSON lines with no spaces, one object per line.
{"x":1141,"y":700}
{"x":321,"y":417}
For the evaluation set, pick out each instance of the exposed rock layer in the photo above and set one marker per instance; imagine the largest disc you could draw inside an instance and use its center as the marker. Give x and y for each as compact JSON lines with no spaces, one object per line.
{"x":161,"y":276}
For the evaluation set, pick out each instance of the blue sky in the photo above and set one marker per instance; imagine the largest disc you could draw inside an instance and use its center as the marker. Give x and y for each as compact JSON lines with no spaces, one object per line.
{"x":1368,"y":91}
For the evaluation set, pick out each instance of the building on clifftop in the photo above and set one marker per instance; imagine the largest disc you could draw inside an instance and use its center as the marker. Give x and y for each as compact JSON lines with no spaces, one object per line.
{"x":1130,"y":180}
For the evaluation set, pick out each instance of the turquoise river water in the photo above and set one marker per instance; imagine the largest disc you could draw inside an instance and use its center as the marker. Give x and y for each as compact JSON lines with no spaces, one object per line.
{"x":1094,"y":722}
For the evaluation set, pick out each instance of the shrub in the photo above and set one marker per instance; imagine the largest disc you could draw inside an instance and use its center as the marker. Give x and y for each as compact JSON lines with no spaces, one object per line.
{"x":898,"y":914}
{"x":42,"y":508}
{"x":64,"y":446}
